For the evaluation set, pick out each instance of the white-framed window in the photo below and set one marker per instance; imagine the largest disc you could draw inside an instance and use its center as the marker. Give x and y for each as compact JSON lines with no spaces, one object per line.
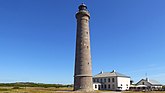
{"x":113,"y":80}
{"x":109,"y":86}
{"x":95,"y":86}
{"x":105,"y":80}
{"x":105,"y":86}
{"x":109,"y":80}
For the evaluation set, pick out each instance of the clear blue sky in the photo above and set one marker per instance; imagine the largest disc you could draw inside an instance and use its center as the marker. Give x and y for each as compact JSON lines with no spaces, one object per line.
{"x":37,"y":39}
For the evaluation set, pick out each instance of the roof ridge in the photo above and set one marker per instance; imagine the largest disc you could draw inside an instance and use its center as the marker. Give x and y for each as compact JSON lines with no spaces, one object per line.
{"x":110,"y":74}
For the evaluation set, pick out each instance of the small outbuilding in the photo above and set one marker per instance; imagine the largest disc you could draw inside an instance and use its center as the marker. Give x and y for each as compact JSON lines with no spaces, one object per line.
{"x":150,"y":84}
{"x":146,"y":85}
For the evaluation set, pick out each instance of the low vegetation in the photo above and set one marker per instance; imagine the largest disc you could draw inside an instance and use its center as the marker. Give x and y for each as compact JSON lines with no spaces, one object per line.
{"x":30,"y":84}
{"x":29,"y":87}
{"x":49,"y":88}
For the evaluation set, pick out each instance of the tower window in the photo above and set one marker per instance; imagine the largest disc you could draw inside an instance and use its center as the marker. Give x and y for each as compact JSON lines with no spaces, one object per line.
{"x":87,"y":47}
{"x":87,"y":33}
{"x":86,"y":20}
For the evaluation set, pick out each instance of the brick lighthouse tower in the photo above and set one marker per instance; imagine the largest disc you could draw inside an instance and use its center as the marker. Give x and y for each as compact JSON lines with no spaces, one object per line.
{"x":83,"y":65}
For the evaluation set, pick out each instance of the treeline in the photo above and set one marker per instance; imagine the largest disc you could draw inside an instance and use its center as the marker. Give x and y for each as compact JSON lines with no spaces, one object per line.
{"x":31,"y":84}
{"x":163,"y":88}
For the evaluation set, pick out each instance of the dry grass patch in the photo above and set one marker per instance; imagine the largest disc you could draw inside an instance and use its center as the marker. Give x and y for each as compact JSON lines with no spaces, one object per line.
{"x":144,"y":92}
{"x":55,"y":90}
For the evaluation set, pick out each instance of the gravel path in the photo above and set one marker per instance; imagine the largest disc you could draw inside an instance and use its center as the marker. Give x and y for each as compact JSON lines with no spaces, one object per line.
{"x":110,"y":92}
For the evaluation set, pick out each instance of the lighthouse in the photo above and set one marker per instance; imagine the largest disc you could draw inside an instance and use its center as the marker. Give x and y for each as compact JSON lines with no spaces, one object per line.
{"x":83,"y":64}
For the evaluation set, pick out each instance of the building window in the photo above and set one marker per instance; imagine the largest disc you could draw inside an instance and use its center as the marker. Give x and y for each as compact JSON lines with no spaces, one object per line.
{"x":101,"y":80}
{"x":105,"y":80}
{"x":113,"y":86}
{"x":102,"y":86}
{"x":95,"y":86}
{"x":142,"y":83}
{"x":93,"y":80}
{"x":113,"y":80}
{"x":109,"y":86}
{"x":105,"y":86}
{"x":97,"y":80}
{"x":109,"y":80}
{"x":121,"y":85}
{"x":126,"y":84}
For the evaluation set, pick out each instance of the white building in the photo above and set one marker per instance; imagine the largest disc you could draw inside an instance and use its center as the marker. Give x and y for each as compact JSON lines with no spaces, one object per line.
{"x":147,"y":84}
{"x":111,"y":81}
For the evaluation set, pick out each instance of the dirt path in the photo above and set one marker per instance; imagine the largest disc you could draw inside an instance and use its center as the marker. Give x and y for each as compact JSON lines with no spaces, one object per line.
{"x":110,"y":92}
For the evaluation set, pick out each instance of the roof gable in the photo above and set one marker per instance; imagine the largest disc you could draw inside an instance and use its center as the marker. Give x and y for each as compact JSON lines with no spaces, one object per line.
{"x":145,"y":82}
{"x":110,"y":74}
{"x":150,"y":82}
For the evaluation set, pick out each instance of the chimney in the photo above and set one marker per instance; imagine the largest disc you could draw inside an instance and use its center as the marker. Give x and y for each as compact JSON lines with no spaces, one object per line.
{"x":113,"y":71}
{"x":147,"y":79}
{"x":101,"y":72}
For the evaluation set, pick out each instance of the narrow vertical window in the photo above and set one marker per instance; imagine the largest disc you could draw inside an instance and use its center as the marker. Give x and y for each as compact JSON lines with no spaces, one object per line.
{"x":87,"y":33}
{"x":95,"y":86}
{"x":109,"y":80}
{"x":102,"y":86}
{"x":113,"y":86}
{"x":113,"y":80}
{"x":109,"y":86}
{"x":101,"y":80}
{"x":93,"y":80}
{"x":105,"y":86}
{"x":104,"y":79}
{"x":86,"y":20}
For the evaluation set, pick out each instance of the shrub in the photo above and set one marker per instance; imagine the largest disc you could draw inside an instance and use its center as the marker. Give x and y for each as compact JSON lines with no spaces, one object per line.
{"x":16,"y":87}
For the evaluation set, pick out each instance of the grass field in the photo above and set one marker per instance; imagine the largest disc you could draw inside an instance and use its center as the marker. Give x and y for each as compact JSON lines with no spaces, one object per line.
{"x":32,"y":90}
{"x":53,"y":90}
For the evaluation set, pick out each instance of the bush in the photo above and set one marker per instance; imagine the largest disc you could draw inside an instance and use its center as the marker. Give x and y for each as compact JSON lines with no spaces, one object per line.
{"x":3,"y":89}
{"x":16,"y":87}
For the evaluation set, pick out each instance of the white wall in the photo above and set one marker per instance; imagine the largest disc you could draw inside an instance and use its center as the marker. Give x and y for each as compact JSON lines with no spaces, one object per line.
{"x":123,"y":82}
{"x":96,"y":86}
